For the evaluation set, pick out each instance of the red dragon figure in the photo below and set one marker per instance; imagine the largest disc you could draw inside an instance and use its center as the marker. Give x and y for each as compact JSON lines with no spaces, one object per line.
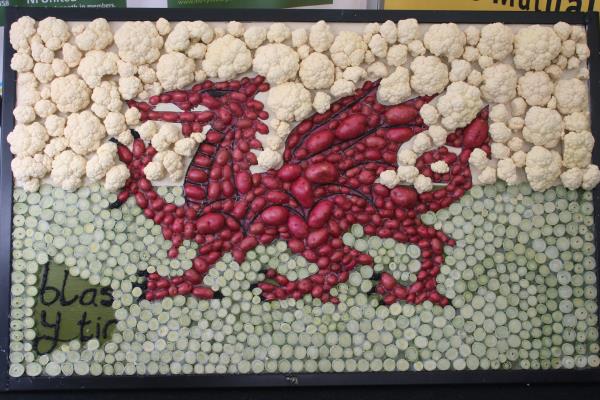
{"x":327,"y":183}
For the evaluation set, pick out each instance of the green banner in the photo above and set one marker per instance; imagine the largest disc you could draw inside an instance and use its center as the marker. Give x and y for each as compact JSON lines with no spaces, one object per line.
{"x":245,"y":4}
{"x":68,"y":3}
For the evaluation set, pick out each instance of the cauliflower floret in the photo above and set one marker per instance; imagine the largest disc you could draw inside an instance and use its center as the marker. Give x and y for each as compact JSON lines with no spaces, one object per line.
{"x":471,"y":54}
{"x":499,"y":132}
{"x":378,"y":46}
{"x":389,"y":31}
{"x":235,"y":28}
{"x":96,"y":35}
{"x":278,"y":63}
{"x":342,"y":87}
{"x":478,"y":159}
{"x":475,"y":78}
{"x":95,"y":65}
{"x":472,"y":35}
{"x":185,"y":147}
{"x":416,"y":48}
{"x":422,"y":143}
{"x":535,"y":47}
{"x":516,"y":123}
{"x":21,"y":62}
{"x":487,"y":176}
{"x":354,"y":74}
{"x":568,"y":48}
{"x":138,"y":42}
{"x":132,"y":116}
{"x":114,"y":123}
{"x":518,"y":107}
{"x":536,"y":88}
{"x":430,"y":75}
{"x":278,"y":33}
{"x":54,"y":32}
{"x":84,"y":131}
{"x":280,"y":128}
{"x":175,"y":71}
{"x":485,"y":62}
{"x":131,"y":86}
{"x":321,"y":102}
{"x":406,"y":157}
{"x":125,"y":138}
{"x":563,"y":30}
{"x":39,"y":52}
{"x":320,"y":37}
{"x":583,"y":51}
{"x":445,"y":40}
{"x":196,"y":51}
{"x":507,"y":171}
{"x":496,"y":41}
{"x":408,"y":30}
{"x":542,"y":167}
{"x":554,"y":71}
{"x":389,"y":178}
{"x":499,"y":83}
{"x":55,"y":125}
{"x":438,"y":135}
{"x":147,"y":130}
{"x":460,"y":70}
{"x":272,"y":141}
{"x":499,"y":113}
{"x":577,"y":149}
{"x":572,"y":178}
{"x":179,"y":38}
{"x":348,"y":49}
{"x":577,"y":121}
{"x":395,"y":88}
{"x":500,"y":151}
{"x":226,"y":57}
{"x":24,"y":114}
{"x":27,"y":140}
{"x":377,"y":70}
{"x":43,"y":72}
{"x":255,"y":36}
{"x":423,"y":184}
{"x":460,"y":105}
{"x":303,"y":51}
{"x":146,"y":74}
{"x":106,"y":98}
{"x":269,"y":159}
{"x":71,"y":55}
{"x":116,"y":177}
{"x":28,"y":169}
{"x":55,"y":146}
{"x":125,"y":69}
{"x":27,"y":93}
{"x":290,"y":101}
{"x":20,"y":32}
{"x":440,"y":167}
{"x":68,"y":169}
{"x":299,"y":37}
{"x":44,"y":108}
{"x":397,"y":55}
{"x":543,"y":127}
{"x":371,"y":29}
{"x":515,"y":144}
{"x":407,"y":174}
{"x":571,"y":96}
{"x":429,"y":114}
{"x":163,"y":26}
{"x":105,"y":157}
{"x":154,"y":170}
{"x":591,"y":177}
{"x":167,"y":135}
{"x":60,"y":67}
{"x":519,"y":158}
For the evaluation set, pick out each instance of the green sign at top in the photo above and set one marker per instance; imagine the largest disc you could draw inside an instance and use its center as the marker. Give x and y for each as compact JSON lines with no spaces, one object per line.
{"x":68,"y":3}
{"x":245,"y":4}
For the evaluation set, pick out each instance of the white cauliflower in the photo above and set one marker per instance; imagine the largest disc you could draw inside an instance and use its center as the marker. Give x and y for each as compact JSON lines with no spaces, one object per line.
{"x":416,"y":48}
{"x":536,"y":88}
{"x":515,"y":144}
{"x":60,"y":67}
{"x":460,"y":70}
{"x":131,"y":86}
{"x":71,"y":55}
{"x":472,"y":33}
{"x":543,"y":167}
{"x":321,"y":102}
{"x":43,"y":72}
{"x":395,"y":88}
{"x":290,"y":101}
{"x":572,"y":178}
{"x":226,"y":57}
{"x":27,"y":140}
{"x":235,"y":28}
{"x":138,"y":42}
{"x":499,"y":83}
{"x":518,"y":106}
{"x":571,"y":96}
{"x":440,"y":167}
{"x":278,"y":33}
{"x":348,"y":49}
{"x":543,"y":127}
{"x":406,"y":157}
{"x":445,"y":40}
{"x":430,"y":75}
{"x":471,"y":54}
{"x":84,"y":131}
{"x":342,"y":87}
{"x":459,"y":105}
{"x":485,"y":62}
{"x":397,"y":55}
{"x":354,"y":74}
{"x":475,"y":78}
{"x":278,"y":63}
{"x":27,"y":93}
{"x":371,"y":29}
{"x":39,"y":52}
{"x":422,"y":143}
{"x":408,"y":30}
{"x":377,"y":70}
{"x":535,"y":47}
{"x":99,"y":164}
{"x":280,"y":128}
{"x":29,"y":168}
{"x":378,"y":46}
{"x":499,"y":132}
{"x":125,"y":138}
{"x":255,"y":36}
{"x":186,"y":33}
{"x":20,"y":32}
{"x":114,"y":123}
{"x":407,"y":174}
{"x":147,"y":130}
{"x":429,"y":114}
{"x":303,"y":51}
{"x":154,"y":170}
{"x":438,"y":135}
{"x":132,"y":116}
{"x":423,"y":184}
{"x":478,"y":159}
{"x":269,"y":159}
{"x":163,"y":26}
{"x":196,"y":51}
{"x":95,"y":65}
{"x":507,"y":171}
{"x":499,"y":113}
{"x":577,"y":149}
{"x":496,"y":41}
{"x":97,"y":35}
{"x":185,"y":147}
{"x":389,"y":178}
{"x":563,"y":30}
{"x":24,"y":114}
{"x":44,"y":108}
{"x":320,"y":37}
{"x":54,"y":32}
{"x":299,"y":37}
{"x":146,"y":74}
{"x":487,"y":176}
{"x":116,"y":177}
{"x":106,"y":98}
{"x":389,"y":31}
{"x":175,"y":71}
{"x":55,"y":125}
{"x":21,"y":62}
{"x":578,"y":121}
{"x":125,"y":69}
{"x":519,"y":158}
{"x":591,"y":177}
{"x":68,"y":170}
{"x":167,"y":135}
{"x":500,"y":151}
{"x":516,"y":123}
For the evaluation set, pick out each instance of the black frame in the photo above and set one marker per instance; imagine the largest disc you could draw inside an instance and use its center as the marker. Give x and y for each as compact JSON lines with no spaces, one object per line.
{"x":590,"y":20}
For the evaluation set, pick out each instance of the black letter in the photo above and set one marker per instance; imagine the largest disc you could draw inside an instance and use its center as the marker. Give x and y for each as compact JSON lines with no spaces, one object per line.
{"x":106,"y":291}
{"x":91,"y":301}
{"x":82,"y":323}
{"x":576,"y":7}
{"x":107,"y":327}
{"x":524,"y":4}
{"x":53,"y":339}
{"x":63,"y":301}
{"x":45,"y":288}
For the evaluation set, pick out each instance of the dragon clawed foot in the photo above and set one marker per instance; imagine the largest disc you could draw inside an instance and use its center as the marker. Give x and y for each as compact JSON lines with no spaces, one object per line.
{"x":422,"y":290}
{"x":157,"y":287}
